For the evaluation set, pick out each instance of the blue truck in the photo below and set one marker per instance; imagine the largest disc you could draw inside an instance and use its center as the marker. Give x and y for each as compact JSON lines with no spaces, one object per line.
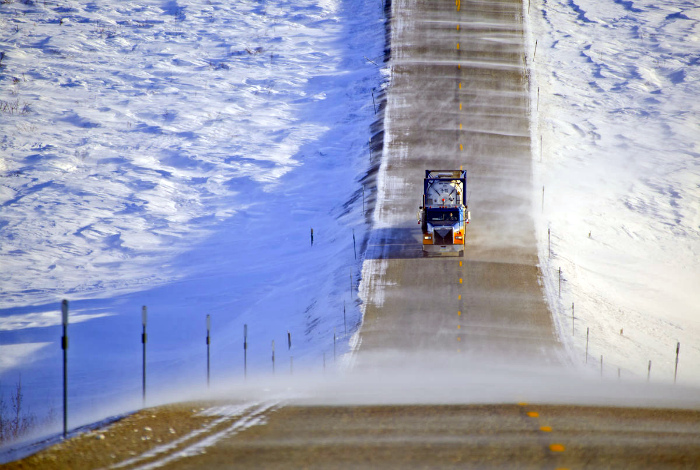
{"x":444,"y":214}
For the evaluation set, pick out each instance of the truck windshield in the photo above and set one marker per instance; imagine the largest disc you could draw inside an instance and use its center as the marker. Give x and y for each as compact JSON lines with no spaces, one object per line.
{"x":443,"y":215}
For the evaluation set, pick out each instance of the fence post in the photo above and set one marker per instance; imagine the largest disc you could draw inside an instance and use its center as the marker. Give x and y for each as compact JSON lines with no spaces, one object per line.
{"x":208,"y":346}
{"x":64,"y":346}
{"x":649,"y":371}
{"x":354,"y":245}
{"x":351,"y":283}
{"x":542,"y":198}
{"x":289,"y":348}
{"x":560,"y":281}
{"x":675,"y":372}
{"x":144,"y":339}
{"x":245,"y":351}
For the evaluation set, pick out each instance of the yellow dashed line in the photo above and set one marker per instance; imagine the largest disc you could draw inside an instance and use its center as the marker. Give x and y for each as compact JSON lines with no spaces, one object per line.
{"x":457,"y":27}
{"x":460,"y":126}
{"x":546,"y":429}
{"x":460,"y":280}
{"x":459,"y":338}
{"x":459,"y":297}
{"x":459,"y":313}
{"x":461,"y":147}
{"x":460,"y":85}
{"x":460,"y":106}
{"x":459,"y":327}
{"x":522,"y":403}
{"x":533,"y":414}
{"x":460,"y":263}
{"x":556,"y":448}
{"x":459,"y":66}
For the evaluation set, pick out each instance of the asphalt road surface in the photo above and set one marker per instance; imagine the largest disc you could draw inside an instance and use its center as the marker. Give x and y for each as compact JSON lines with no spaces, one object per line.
{"x":458,"y":99}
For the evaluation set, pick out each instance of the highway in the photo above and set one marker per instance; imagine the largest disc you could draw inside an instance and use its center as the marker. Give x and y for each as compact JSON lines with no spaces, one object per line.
{"x":435,"y":328}
{"x":458,"y":99}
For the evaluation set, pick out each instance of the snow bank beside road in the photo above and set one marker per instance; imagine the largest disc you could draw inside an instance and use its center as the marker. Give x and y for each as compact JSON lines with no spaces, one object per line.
{"x":616,"y":150}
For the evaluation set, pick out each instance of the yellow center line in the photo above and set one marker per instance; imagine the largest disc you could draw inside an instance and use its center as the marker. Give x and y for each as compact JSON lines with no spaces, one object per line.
{"x":459,"y":313}
{"x":555,"y":447}
{"x":460,"y":106}
{"x":460,"y":85}
{"x":461,"y":147}
{"x":459,"y":297}
{"x":460,"y":280}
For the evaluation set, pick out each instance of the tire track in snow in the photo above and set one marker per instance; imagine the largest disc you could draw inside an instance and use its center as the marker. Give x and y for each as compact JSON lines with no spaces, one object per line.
{"x":248,"y":415}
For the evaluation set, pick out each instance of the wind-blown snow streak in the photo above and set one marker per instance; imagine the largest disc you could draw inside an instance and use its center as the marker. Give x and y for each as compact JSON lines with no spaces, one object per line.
{"x":248,"y":415}
{"x":616,"y":150}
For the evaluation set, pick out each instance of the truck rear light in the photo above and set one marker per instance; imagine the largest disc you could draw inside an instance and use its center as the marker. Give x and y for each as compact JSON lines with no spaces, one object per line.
{"x":428,"y":237}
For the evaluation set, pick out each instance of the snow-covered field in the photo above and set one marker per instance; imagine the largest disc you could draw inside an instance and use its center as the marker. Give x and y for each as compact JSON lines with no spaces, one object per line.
{"x":177,"y":154}
{"x":617,"y":151}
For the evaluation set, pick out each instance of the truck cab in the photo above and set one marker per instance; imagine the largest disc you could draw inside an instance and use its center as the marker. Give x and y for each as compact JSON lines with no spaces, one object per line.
{"x":444,"y":215}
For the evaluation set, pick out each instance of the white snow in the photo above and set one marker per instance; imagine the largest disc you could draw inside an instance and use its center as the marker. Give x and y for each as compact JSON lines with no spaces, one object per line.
{"x":12,"y":355}
{"x":252,"y":417}
{"x":223,"y":414}
{"x":616,"y":149}
{"x":176,"y":155}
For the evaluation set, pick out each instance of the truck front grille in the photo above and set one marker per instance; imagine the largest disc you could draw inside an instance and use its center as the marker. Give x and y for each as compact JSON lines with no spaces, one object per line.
{"x":444,"y":239}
